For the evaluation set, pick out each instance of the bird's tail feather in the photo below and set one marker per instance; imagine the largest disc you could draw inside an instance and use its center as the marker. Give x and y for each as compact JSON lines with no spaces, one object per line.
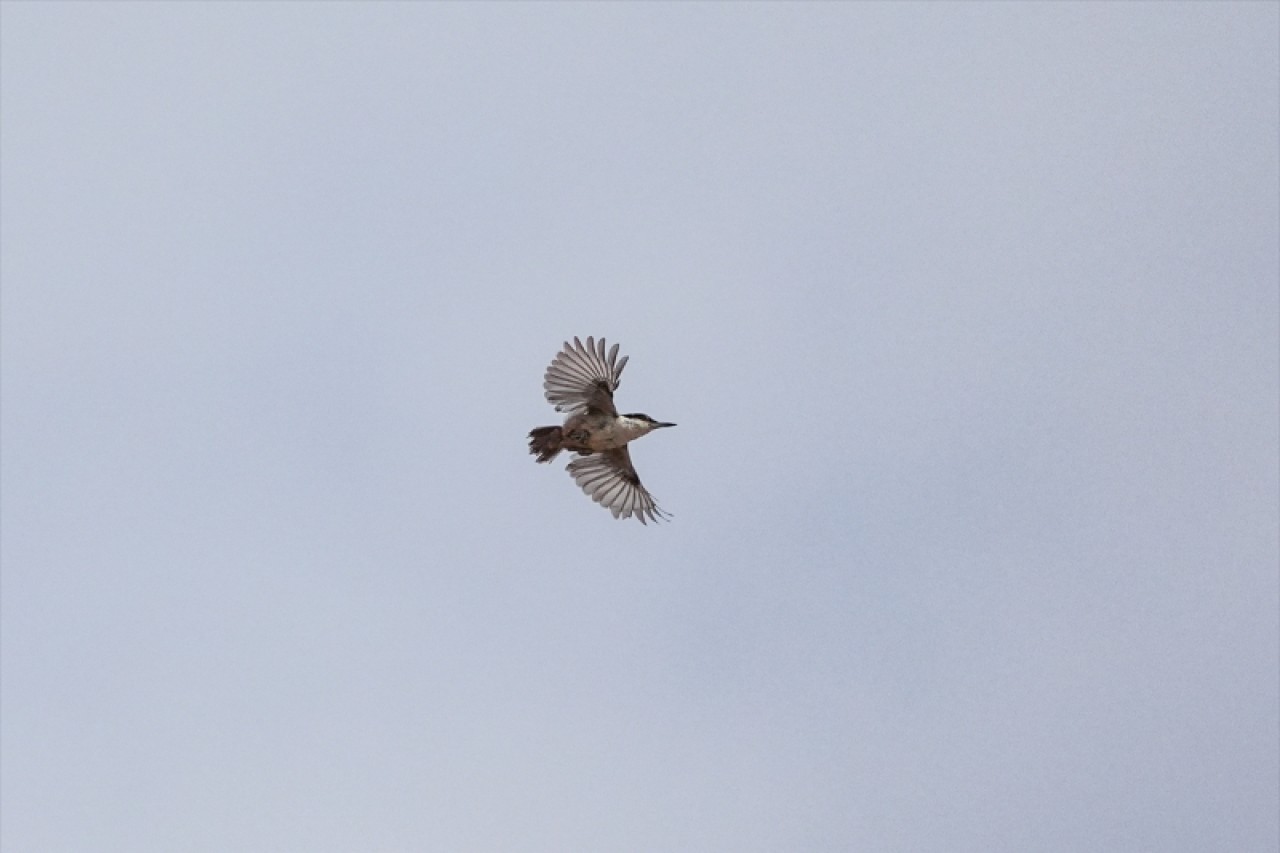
{"x":544,"y":442}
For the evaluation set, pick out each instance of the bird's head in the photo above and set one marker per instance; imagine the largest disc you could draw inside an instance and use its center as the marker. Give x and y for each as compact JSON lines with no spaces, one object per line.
{"x":640,"y":418}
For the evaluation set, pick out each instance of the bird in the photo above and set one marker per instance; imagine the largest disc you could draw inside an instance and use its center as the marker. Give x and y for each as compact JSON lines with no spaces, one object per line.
{"x":580,"y":382}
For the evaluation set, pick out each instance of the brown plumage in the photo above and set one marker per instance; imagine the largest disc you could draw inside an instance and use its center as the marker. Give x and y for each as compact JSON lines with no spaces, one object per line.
{"x":580,"y":382}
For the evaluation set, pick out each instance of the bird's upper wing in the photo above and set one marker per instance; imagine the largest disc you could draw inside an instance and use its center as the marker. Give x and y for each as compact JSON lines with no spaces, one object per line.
{"x":612,"y":482}
{"x":581,"y":378}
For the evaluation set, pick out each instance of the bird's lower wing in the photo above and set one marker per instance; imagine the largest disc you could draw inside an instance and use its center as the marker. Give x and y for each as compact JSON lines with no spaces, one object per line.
{"x":611,"y":481}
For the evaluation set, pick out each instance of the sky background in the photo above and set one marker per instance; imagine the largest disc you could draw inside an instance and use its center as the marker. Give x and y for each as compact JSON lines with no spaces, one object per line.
{"x":968,"y":315}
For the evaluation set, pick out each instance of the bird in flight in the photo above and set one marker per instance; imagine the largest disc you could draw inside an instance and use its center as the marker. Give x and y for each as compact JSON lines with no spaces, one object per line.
{"x":580,"y":382}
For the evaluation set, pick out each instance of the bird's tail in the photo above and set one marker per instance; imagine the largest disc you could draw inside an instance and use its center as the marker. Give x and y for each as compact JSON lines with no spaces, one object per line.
{"x":544,"y":442}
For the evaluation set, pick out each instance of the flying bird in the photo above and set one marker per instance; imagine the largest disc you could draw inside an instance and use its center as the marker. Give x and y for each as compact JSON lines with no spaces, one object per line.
{"x":580,"y":382}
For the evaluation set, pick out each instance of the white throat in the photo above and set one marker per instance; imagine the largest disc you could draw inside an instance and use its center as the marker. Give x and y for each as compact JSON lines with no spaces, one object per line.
{"x":633,"y":427}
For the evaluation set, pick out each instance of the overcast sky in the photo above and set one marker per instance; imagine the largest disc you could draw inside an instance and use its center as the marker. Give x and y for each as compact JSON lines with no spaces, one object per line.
{"x":968,"y":315}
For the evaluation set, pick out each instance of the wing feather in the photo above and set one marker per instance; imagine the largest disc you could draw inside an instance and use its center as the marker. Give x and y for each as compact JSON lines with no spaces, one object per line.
{"x":610,"y":480}
{"x":582,"y":378}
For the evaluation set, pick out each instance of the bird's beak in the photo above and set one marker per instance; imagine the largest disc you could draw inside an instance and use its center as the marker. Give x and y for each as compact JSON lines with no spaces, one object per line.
{"x":655,"y":426}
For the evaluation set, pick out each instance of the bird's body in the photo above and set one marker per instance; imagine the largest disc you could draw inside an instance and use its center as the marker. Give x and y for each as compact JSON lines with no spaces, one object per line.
{"x":598,"y":431}
{"x":580,"y":381}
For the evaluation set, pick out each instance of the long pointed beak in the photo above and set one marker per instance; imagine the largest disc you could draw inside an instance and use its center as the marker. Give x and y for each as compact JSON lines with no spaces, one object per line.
{"x":655,"y":426}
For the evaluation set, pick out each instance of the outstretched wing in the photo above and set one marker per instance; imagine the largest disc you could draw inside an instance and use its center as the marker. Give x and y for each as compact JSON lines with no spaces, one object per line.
{"x":583,"y":378}
{"x":612,"y":482}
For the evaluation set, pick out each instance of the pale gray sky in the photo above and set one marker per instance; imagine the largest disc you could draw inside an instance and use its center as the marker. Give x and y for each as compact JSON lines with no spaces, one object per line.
{"x":968,"y":315}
